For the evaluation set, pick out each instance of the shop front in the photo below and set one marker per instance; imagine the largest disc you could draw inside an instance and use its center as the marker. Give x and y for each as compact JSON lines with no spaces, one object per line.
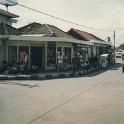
{"x":16,"y":51}
{"x":53,"y":49}
{"x":41,"y":51}
{"x":43,"y":54}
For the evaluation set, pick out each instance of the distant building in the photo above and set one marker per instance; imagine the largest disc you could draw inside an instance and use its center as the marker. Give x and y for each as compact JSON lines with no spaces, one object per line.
{"x":99,"y":46}
{"x":7,"y":17}
{"x":6,"y":29}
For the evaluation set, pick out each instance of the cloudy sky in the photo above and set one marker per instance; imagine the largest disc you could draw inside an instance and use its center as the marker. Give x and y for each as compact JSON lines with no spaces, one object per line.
{"x":105,"y":15}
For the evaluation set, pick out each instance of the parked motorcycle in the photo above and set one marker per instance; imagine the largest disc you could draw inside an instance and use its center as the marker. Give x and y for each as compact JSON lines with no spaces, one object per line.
{"x":123,"y":67}
{"x":5,"y":65}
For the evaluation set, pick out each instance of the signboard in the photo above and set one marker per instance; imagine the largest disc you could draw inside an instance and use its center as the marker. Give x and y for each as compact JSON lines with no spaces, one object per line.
{"x":51,"y":43}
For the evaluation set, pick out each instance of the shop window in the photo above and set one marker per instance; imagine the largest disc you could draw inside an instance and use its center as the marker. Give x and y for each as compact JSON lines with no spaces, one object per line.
{"x":67,"y":52}
{"x":59,"y":49}
{"x":12,"y":53}
{"x":23,"y":50}
{"x":51,"y":56}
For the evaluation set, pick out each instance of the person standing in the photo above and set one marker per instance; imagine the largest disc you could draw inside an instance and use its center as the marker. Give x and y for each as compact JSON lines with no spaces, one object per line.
{"x":60,"y":62}
{"x":74,"y":62}
{"x":65,"y":61}
{"x":26,"y":64}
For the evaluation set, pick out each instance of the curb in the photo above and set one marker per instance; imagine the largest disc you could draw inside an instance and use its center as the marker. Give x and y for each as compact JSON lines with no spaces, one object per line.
{"x":47,"y":76}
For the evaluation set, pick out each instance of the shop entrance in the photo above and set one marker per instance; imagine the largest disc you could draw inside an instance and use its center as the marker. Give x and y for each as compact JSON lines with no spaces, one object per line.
{"x":37,"y":56}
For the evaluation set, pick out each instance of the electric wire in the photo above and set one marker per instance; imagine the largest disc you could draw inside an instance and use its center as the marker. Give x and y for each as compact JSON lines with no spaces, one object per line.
{"x":110,"y":16}
{"x":60,"y":18}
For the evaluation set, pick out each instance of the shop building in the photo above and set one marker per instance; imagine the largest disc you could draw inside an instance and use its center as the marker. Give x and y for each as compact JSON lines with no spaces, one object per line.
{"x":6,"y":21}
{"x":42,"y":42}
{"x":98,"y":46}
{"x":42,"y":45}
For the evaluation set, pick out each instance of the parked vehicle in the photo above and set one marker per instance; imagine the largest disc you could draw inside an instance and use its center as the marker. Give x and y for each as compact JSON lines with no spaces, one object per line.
{"x":118,"y":58}
{"x":104,"y":58}
{"x":34,"y":69}
{"x":5,"y":66}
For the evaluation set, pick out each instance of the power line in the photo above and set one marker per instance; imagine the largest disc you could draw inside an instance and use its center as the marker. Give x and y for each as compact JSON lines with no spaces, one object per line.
{"x":59,"y":18}
{"x":110,"y":16}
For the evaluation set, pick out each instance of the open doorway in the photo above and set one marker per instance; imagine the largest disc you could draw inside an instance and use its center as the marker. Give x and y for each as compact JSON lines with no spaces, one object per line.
{"x":37,"y":56}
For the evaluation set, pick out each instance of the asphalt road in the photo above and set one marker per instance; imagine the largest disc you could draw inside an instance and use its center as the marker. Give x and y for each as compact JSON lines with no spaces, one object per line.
{"x":96,"y":98}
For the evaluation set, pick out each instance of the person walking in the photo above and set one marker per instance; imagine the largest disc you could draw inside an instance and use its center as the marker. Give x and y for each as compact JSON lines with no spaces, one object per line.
{"x":60,"y":62}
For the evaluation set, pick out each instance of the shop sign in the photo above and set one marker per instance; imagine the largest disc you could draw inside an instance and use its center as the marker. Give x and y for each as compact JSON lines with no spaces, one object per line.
{"x":51,"y":43}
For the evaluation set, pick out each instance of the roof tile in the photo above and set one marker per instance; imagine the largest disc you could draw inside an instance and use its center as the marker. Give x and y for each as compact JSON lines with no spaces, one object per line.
{"x":48,"y":30}
{"x":83,"y":35}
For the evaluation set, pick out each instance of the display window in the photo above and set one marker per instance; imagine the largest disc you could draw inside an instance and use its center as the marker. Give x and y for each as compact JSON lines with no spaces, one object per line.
{"x":23,"y":50}
{"x":51,"y":56}
{"x":67,"y":54}
{"x":59,"y":50}
{"x":12,"y":53}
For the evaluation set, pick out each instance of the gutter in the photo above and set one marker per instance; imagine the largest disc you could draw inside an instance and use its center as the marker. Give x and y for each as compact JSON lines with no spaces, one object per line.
{"x":42,"y":38}
{"x":100,"y":42}
{"x":4,"y":37}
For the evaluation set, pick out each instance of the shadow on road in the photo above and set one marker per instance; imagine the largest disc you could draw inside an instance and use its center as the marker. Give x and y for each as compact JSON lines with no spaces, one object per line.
{"x":20,"y":84}
{"x":111,"y":67}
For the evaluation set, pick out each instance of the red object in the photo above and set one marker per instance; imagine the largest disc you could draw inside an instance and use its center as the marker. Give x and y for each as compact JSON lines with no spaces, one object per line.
{"x":122,"y":64}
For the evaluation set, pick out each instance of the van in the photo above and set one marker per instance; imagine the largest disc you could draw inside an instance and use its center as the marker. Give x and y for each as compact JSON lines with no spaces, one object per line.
{"x":118,"y":58}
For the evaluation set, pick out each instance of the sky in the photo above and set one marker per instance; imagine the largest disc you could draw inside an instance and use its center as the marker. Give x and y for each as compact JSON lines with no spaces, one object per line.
{"x":105,"y":15}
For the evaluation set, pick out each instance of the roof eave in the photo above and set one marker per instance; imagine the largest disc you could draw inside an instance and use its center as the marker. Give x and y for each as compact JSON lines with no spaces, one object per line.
{"x":100,"y":42}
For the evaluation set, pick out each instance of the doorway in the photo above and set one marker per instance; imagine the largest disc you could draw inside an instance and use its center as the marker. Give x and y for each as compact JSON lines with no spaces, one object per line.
{"x":37,"y":56}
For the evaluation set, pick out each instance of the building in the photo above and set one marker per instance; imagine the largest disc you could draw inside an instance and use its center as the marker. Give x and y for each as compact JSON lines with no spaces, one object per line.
{"x":7,"y":17}
{"x":42,"y":42}
{"x":6,"y":29}
{"x":98,"y":46}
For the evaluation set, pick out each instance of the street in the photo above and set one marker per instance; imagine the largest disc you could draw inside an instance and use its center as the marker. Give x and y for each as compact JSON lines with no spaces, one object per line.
{"x":95,"y":98}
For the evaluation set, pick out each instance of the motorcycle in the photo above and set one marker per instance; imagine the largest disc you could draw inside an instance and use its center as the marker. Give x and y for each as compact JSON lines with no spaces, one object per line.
{"x":123,"y":67}
{"x":5,"y":65}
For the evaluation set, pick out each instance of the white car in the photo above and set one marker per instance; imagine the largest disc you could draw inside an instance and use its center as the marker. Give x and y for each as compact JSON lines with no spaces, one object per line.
{"x":118,"y":58}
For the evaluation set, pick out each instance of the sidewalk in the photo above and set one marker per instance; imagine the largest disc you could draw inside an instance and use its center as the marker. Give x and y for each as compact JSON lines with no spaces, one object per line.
{"x":46,"y":75}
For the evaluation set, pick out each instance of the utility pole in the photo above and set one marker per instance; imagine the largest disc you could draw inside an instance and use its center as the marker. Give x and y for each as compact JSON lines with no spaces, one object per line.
{"x":114,"y":44}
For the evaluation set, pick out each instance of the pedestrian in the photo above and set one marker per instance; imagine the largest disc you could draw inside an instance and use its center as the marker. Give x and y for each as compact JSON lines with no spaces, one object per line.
{"x":60,"y":62}
{"x":26,"y":64}
{"x":80,"y":61}
{"x":65,"y":61}
{"x":93,"y":57}
{"x":74,"y":62}
{"x":77,"y":57}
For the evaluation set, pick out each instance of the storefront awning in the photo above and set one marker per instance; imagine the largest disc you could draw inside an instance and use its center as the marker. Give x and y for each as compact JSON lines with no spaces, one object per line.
{"x":4,"y":36}
{"x":42,"y":38}
{"x":100,"y":42}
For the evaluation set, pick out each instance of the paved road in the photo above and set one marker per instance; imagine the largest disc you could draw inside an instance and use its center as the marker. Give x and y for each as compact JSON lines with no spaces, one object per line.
{"x":96,"y":98}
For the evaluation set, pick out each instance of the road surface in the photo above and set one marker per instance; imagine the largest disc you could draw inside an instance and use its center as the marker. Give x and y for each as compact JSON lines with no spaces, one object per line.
{"x":96,"y":98}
